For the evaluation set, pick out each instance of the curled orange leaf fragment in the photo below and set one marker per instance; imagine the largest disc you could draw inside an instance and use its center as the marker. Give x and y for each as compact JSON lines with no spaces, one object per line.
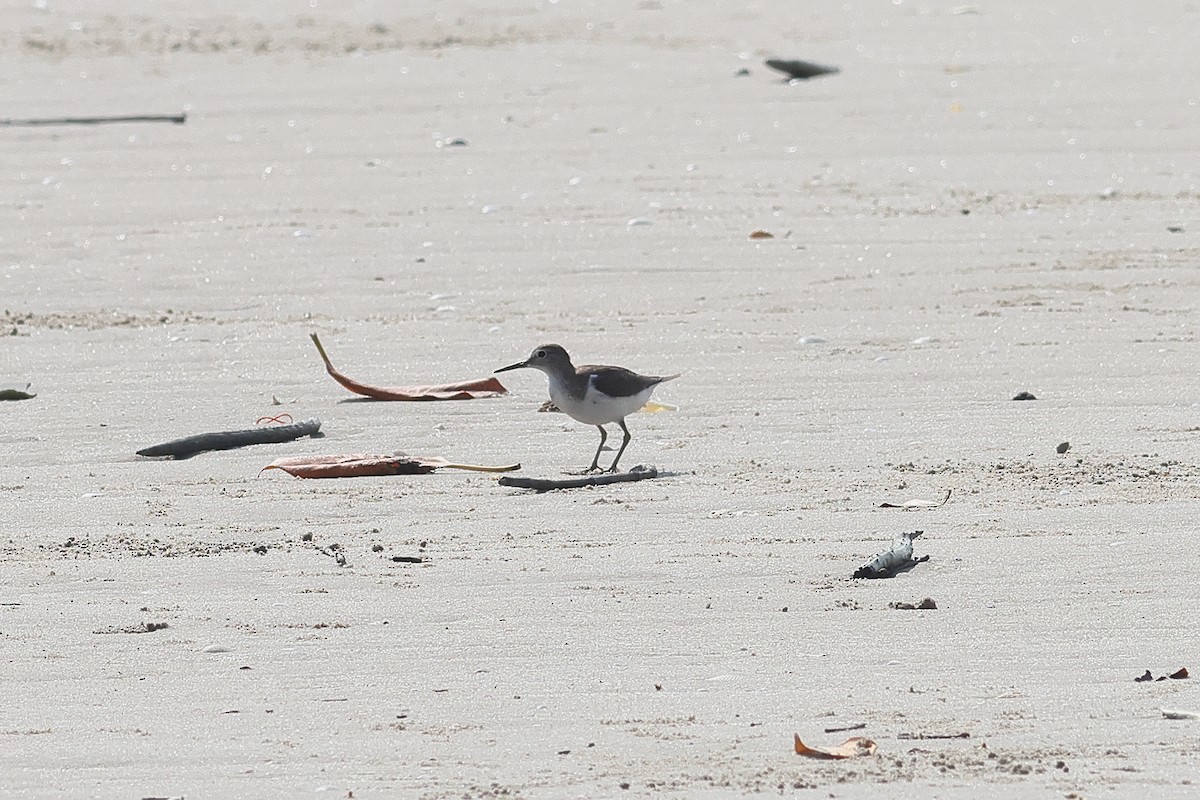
{"x":466,"y":390}
{"x":854,"y":746}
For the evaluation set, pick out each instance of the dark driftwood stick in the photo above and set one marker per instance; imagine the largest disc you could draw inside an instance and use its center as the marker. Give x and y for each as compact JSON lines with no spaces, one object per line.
{"x":638,"y":473}
{"x":178,"y":119}
{"x":860,"y":726}
{"x":227,"y":440}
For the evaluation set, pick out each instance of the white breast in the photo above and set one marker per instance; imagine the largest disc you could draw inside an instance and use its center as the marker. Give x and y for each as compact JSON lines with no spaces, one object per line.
{"x":596,"y":408}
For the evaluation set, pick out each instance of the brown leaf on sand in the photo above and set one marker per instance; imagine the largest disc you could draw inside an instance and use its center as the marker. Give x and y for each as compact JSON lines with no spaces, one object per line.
{"x":854,"y":746}
{"x":761,"y":235}
{"x":1179,"y":674}
{"x":357,"y":466}
{"x":466,"y":390}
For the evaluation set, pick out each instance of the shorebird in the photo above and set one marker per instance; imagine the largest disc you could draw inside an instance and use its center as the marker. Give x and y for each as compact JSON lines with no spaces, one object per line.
{"x":593,"y":395}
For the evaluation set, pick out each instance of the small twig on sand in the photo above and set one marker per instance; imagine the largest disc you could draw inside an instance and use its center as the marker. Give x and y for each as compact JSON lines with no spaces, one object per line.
{"x":334,"y":551}
{"x":178,"y":119}
{"x":638,"y":473}
{"x":860,"y":726}
{"x":963,"y":735}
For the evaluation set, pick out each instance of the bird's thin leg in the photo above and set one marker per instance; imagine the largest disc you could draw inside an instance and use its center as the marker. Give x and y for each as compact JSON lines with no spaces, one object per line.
{"x":595,"y":467}
{"x":624,"y":444}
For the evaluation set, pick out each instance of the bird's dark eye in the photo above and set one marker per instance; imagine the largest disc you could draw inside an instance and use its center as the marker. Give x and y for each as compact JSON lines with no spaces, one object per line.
{"x":541,"y":354}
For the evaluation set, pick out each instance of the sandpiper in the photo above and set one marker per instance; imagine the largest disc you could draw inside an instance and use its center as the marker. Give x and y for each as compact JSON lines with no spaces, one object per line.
{"x":593,"y":395}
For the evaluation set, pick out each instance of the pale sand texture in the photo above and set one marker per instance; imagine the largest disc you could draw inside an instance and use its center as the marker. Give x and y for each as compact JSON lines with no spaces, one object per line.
{"x":162,"y":280}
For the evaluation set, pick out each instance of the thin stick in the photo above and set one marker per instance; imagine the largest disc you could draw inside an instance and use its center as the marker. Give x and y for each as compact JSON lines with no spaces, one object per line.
{"x":638,"y":473}
{"x":34,"y":122}
{"x":481,"y":468}
{"x":857,"y":727}
{"x":963,"y":735}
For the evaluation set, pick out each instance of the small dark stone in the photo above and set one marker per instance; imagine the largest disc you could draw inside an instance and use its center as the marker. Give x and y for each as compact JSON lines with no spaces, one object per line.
{"x":1063,"y":447}
{"x":1175,"y":229}
{"x":796,"y":69}
{"x":1024,"y":396}
{"x":966,"y":212}
{"x":741,"y":73}
{"x":408,"y":559}
{"x":376,"y":548}
{"x":1146,"y":676}
{"x":306,"y":537}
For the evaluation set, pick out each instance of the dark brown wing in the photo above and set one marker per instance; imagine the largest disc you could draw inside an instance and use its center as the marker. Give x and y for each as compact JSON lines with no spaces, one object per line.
{"x":620,"y":382}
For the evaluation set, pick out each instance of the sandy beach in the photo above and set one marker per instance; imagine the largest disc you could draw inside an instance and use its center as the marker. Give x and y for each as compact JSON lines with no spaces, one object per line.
{"x":987,"y":199}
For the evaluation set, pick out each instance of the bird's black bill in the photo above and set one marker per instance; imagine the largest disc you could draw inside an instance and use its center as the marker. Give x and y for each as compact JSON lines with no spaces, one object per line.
{"x":518,"y":365}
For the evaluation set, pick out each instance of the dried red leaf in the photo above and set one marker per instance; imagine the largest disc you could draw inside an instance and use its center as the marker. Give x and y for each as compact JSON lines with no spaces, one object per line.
{"x":357,"y":466}
{"x":1180,"y":673}
{"x":465,"y":390}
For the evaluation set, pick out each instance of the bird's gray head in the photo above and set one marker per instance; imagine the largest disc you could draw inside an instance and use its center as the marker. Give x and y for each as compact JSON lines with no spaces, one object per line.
{"x":548,"y":358}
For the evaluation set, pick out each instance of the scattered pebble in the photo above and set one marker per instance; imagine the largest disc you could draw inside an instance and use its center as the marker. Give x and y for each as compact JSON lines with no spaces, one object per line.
{"x":1024,"y":396}
{"x":1063,"y":447}
{"x":216,"y":648}
{"x":925,"y":605}
{"x":151,"y":627}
